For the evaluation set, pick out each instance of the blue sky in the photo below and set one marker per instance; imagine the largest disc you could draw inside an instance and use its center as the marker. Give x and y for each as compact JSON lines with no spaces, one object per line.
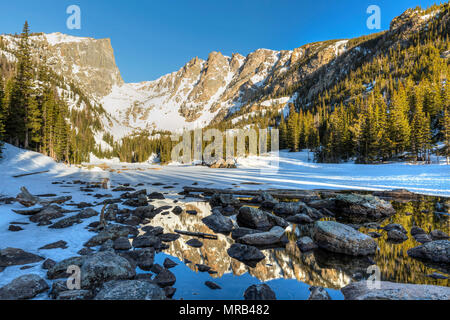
{"x":151,"y":38}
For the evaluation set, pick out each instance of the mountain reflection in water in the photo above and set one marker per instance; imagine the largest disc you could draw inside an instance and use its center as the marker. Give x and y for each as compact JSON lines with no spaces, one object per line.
{"x":289,"y":272}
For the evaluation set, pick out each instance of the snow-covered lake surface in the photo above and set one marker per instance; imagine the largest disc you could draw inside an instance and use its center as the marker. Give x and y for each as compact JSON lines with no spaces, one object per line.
{"x":294,"y":172}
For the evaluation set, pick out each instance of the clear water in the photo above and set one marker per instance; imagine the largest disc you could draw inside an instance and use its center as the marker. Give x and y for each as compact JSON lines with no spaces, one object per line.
{"x":289,"y":272}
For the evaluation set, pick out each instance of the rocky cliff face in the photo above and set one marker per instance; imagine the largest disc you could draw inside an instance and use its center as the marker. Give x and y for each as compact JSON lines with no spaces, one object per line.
{"x":204,"y":90}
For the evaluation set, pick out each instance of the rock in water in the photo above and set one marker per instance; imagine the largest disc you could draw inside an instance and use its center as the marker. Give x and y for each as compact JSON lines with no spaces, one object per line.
{"x":259,"y":292}
{"x":165,"y":278}
{"x":248,"y":255}
{"x":397,"y":236}
{"x":212,"y":285}
{"x":362,"y":208}
{"x":435,"y":251}
{"x":318,"y":293}
{"x":103,"y":267}
{"x":340,"y":238}
{"x":253,"y":218}
{"x":130,"y":290}
{"x":306,"y":244}
{"x":218,"y":223}
{"x":194,"y":243}
{"x":395,"y":291}
{"x":271,"y":237}
{"x":24,"y":287}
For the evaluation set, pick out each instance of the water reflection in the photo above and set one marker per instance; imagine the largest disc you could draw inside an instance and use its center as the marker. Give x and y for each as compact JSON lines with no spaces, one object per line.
{"x":289,"y":271}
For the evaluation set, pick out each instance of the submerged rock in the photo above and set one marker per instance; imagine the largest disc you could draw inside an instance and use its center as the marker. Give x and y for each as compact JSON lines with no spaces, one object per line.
{"x":253,"y":218}
{"x":249,"y":255}
{"x":395,"y":291}
{"x":212,"y":285}
{"x":259,"y":292}
{"x":340,"y":238}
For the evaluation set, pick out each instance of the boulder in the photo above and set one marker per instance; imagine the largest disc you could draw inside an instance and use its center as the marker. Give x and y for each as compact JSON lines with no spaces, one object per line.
{"x":248,"y":255}
{"x":59,"y":270}
{"x":362,"y":208}
{"x":66,"y":222}
{"x":47,"y":214}
{"x":112,"y":232}
{"x":143,"y":258}
{"x":103,"y":267}
{"x":168,"y":264}
{"x":259,"y":292}
{"x":87,"y":213}
{"x":397,"y":236}
{"x":122,"y":243}
{"x":434,"y":251}
{"x":300,"y":219}
{"x":49,"y":263}
{"x":253,"y":218}
{"x":55,"y":245}
{"x":24,"y":287}
{"x":395,"y":291}
{"x":111,"y":212}
{"x":340,"y":238}
{"x":146,"y":242}
{"x":318,"y":293}
{"x":169,"y":237}
{"x":145,"y":212}
{"x":165,"y":278}
{"x":306,"y":244}
{"x":286,"y":209}
{"x":240,"y":232}
{"x":266,"y":200}
{"x":130,"y":290}
{"x":395,"y":227}
{"x":223,"y":200}
{"x":438,"y":235}
{"x":15,"y":257}
{"x":218,"y":223}
{"x":271,"y":237}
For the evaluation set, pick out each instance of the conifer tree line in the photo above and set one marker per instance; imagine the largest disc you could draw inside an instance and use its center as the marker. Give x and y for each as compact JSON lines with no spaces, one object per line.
{"x":34,"y":114}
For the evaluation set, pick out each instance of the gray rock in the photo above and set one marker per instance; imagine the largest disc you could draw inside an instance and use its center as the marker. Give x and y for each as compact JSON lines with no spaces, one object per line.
{"x":240,"y":232}
{"x":107,"y":246}
{"x":169,"y":237}
{"x":88,"y":213}
{"x":112,"y":232}
{"x":395,"y":227}
{"x":103,"y":267}
{"x":111,"y":212}
{"x":318,"y":293}
{"x":362,"y":208}
{"x":286,"y":209}
{"x":15,"y":257}
{"x":55,"y":245}
{"x":130,"y":290}
{"x":253,"y":218}
{"x":146,"y":242}
{"x":165,"y":278}
{"x":266,"y":200}
{"x":306,"y":244}
{"x":143,"y":258}
{"x":259,"y":292}
{"x":416,"y":230}
{"x":422,"y":238}
{"x":397,"y":236}
{"x":223,"y":200}
{"x":271,"y":237}
{"x":24,"y":287}
{"x":145,"y":212}
{"x":47,"y":214}
{"x":49,"y":263}
{"x":339,"y":238}
{"x":435,"y":251}
{"x":300,"y":219}
{"x":438,"y":235}
{"x":177,"y":210}
{"x":75,"y":295}
{"x":59,"y":270}
{"x":66,"y":222}
{"x":218,"y":223}
{"x":249,"y":255}
{"x":169,"y":263}
{"x":395,"y":291}
{"x":122,"y":243}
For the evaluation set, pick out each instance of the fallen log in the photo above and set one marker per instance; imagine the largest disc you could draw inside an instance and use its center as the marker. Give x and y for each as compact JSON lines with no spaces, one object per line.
{"x":198,"y":234}
{"x":30,"y":174}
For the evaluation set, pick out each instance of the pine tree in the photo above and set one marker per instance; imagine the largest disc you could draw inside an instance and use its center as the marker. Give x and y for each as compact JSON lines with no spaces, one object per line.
{"x":2,"y":116}
{"x":398,"y":120}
